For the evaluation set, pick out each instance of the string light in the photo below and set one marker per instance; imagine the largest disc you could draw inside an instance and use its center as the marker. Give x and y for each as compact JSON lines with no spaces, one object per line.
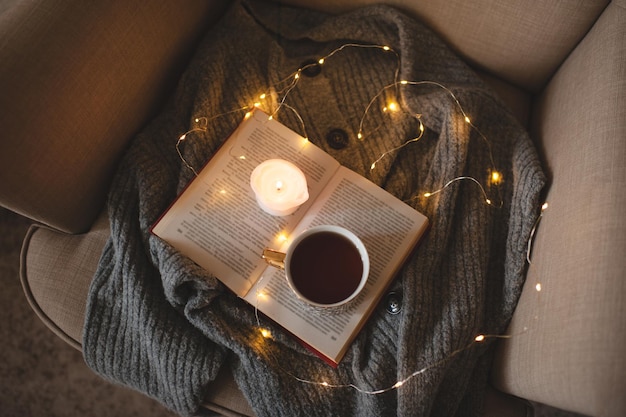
{"x":495,"y":178}
{"x":201,"y":126}
{"x":399,"y":383}
{"x":478,"y":339}
{"x":288,"y":84}
{"x":304,"y":134}
{"x":452,"y":181}
{"x":294,"y":77}
{"x":384,"y":154}
{"x":531,"y":239}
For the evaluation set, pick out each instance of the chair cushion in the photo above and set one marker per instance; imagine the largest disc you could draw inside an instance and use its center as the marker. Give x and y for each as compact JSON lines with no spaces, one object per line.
{"x":56,"y":271}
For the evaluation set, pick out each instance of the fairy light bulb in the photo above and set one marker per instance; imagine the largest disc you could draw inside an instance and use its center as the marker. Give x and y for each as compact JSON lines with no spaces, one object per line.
{"x":496,"y":177}
{"x":282,"y":237}
{"x":391,"y":106}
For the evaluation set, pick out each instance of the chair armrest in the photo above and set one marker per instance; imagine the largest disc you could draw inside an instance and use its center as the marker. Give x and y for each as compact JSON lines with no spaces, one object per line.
{"x":568,"y":343}
{"x":78,"y":79}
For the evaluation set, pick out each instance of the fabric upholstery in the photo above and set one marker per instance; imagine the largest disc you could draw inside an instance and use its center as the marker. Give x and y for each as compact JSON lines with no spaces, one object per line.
{"x":78,"y":79}
{"x":56,"y":271}
{"x":577,"y":322}
{"x":520,"y":41}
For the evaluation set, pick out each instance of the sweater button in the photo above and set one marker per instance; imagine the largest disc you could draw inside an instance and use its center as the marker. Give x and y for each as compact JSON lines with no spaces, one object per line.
{"x":337,"y":139}
{"x":311,"y":68}
{"x":393,"y":302}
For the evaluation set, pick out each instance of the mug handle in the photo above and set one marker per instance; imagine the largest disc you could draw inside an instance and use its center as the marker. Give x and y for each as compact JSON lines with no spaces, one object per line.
{"x":274,"y":258}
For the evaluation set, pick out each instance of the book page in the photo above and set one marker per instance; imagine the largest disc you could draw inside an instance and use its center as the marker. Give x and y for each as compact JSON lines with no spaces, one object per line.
{"x":389,"y":230}
{"x":216,"y":220}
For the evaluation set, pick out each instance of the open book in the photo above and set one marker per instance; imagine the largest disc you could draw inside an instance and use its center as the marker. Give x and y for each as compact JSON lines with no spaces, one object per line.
{"x":217,"y":223}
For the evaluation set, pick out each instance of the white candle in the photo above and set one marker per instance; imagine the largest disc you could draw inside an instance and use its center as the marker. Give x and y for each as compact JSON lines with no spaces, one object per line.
{"x":280,"y":187}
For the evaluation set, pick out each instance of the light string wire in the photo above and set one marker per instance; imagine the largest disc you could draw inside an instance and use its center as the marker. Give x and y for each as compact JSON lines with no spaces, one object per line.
{"x":294,"y":78}
{"x":202,"y":124}
{"x":267,"y":335}
{"x":401,"y":382}
{"x":495,"y":176}
{"x":531,"y":239}
{"x":281,"y":90}
{"x":291,"y":82}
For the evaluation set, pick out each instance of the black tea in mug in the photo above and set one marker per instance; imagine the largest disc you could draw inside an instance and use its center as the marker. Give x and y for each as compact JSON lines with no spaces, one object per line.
{"x":326,"y":268}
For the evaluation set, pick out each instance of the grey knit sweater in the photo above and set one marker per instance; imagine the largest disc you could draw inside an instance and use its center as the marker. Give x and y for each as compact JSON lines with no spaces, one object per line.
{"x":160,"y":324}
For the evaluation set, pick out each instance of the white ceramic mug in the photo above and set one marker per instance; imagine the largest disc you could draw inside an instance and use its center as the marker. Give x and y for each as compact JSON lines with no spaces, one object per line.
{"x":326,"y":266}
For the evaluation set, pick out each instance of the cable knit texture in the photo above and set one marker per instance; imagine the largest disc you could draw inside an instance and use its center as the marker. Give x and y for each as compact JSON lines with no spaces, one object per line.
{"x":160,"y":324}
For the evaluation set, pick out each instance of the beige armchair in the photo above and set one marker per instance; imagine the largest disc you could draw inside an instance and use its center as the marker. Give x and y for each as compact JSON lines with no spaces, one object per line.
{"x":79,"y":79}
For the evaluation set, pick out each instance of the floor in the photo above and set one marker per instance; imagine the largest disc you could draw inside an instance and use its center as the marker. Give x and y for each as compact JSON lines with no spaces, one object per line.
{"x":42,"y":376}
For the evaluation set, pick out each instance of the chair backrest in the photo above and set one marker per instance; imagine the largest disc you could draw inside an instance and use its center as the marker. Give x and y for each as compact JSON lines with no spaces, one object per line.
{"x":77,"y":81}
{"x":520,"y":41}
